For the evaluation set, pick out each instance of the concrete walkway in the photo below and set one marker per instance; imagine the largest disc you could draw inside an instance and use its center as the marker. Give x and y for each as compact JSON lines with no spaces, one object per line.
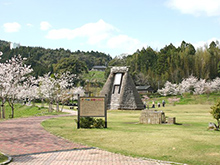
{"x":28,"y":143}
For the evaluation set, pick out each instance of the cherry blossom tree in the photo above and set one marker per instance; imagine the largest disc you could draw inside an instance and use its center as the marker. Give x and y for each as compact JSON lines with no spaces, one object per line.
{"x":215,"y":85}
{"x":54,"y":88}
{"x":169,"y":89}
{"x":187,"y":85}
{"x":201,"y":87}
{"x":16,"y":75}
{"x":12,"y":74}
{"x":191,"y":85}
{"x":2,"y":111}
{"x":29,"y":90}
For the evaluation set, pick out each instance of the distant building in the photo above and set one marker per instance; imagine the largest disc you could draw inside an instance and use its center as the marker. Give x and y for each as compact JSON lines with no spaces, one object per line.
{"x":144,"y":89}
{"x":99,"y":68}
{"x":14,"y":45}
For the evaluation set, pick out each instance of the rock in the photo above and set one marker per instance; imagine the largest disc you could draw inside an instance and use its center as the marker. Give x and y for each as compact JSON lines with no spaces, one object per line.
{"x":212,"y":126}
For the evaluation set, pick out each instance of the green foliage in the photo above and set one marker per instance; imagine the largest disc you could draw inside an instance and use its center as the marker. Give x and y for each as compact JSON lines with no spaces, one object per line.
{"x":95,"y":78}
{"x":72,"y":65}
{"x":216,"y":112}
{"x":91,"y":122}
{"x":172,"y":64}
{"x":55,"y":60}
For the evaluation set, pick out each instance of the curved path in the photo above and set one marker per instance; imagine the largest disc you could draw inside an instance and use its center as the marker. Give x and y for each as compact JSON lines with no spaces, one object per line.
{"x":28,"y":143}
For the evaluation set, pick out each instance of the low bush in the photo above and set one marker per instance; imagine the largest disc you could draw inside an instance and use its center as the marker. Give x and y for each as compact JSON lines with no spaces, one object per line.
{"x":91,"y":122}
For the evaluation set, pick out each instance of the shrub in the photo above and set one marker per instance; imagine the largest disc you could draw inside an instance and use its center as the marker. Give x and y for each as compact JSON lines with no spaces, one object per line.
{"x":216,"y":112}
{"x":90,"y":122}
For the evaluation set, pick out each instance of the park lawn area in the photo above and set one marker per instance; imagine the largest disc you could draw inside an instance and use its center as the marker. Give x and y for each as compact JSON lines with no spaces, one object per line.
{"x":27,"y":111}
{"x":188,"y":141}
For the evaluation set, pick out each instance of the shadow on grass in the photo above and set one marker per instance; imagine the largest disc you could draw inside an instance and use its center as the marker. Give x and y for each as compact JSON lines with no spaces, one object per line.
{"x":178,"y":124}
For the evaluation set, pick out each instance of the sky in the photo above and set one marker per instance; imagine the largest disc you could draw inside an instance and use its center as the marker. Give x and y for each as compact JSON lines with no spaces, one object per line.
{"x":113,"y":27}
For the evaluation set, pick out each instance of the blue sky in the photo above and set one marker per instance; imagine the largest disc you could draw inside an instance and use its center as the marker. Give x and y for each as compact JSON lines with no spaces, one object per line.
{"x":113,"y":27}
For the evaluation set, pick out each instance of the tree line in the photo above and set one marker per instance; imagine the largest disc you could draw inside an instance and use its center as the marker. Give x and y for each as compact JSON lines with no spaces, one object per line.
{"x":55,"y":60}
{"x":173,"y":64}
{"x":147,"y":66}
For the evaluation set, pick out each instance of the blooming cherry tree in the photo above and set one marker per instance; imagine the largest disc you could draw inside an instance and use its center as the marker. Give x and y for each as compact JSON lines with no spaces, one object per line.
{"x":12,"y":74}
{"x":169,"y":89}
{"x":54,"y":88}
{"x":191,"y":85}
{"x":187,"y":85}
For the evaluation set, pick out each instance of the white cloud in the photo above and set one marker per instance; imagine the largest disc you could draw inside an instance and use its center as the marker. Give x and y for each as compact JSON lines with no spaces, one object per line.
{"x":196,"y":7}
{"x":126,"y":43}
{"x":45,"y":25}
{"x":99,"y":34}
{"x":123,"y":41}
{"x":96,"y":32}
{"x":202,"y":44}
{"x":12,"y":27}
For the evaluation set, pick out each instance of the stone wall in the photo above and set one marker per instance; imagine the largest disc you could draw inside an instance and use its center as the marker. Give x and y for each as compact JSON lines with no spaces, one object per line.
{"x":152,"y":117}
{"x":155,"y":117}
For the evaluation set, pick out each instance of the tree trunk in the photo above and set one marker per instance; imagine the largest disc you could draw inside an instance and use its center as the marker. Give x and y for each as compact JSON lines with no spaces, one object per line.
{"x":3,"y":111}
{"x":50,"y":107}
{"x":62,"y":108}
{"x":3,"y":108}
{"x":0,"y":112}
{"x":57,"y":107}
{"x":33,"y":102}
{"x":42,"y":103}
{"x":11,"y":104}
{"x":12,"y":111}
{"x":218,"y":121}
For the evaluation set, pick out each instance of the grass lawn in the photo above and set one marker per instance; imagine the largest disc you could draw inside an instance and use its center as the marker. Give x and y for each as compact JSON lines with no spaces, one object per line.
{"x":189,"y":141}
{"x":27,"y":111}
{"x":95,"y":75}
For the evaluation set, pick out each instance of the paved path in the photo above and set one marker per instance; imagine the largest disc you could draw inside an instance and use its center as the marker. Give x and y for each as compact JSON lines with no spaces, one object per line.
{"x":28,"y":143}
{"x":26,"y":135}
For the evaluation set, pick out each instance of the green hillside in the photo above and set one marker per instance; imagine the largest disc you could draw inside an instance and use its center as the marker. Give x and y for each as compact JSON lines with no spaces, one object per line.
{"x":55,"y":60}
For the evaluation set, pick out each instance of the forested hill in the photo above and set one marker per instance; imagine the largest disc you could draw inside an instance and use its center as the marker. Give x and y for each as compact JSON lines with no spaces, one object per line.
{"x":55,"y":60}
{"x":173,"y":64}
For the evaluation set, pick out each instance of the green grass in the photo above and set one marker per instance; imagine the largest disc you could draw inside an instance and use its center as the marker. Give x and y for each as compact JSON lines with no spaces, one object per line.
{"x":187,"y":98}
{"x":99,"y":76}
{"x":27,"y":111}
{"x":189,"y":141}
{"x":3,"y":158}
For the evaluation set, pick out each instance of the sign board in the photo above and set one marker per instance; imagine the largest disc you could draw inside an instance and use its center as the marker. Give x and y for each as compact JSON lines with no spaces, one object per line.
{"x":92,"y":107}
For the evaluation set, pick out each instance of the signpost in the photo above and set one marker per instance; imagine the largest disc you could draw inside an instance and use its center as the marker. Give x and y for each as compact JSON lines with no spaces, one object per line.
{"x":92,"y":107}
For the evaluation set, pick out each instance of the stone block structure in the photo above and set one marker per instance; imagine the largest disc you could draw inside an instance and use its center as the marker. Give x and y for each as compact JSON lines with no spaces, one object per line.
{"x":152,"y":117}
{"x":121,"y":91}
{"x":171,"y":120}
{"x":155,"y":117}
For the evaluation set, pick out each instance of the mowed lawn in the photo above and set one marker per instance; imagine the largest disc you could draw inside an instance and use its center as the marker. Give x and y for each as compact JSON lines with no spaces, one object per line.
{"x":188,"y":141}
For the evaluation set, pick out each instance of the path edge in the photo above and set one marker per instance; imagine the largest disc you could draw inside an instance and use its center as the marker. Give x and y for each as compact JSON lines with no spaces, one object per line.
{"x":7,"y":161}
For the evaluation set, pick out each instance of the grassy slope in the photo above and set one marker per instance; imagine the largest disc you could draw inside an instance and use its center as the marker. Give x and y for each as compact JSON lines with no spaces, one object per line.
{"x":95,"y":75}
{"x":189,"y":142}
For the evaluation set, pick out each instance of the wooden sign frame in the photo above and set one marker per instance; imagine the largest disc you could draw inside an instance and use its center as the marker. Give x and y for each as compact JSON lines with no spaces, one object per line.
{"x":92,"y":107}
